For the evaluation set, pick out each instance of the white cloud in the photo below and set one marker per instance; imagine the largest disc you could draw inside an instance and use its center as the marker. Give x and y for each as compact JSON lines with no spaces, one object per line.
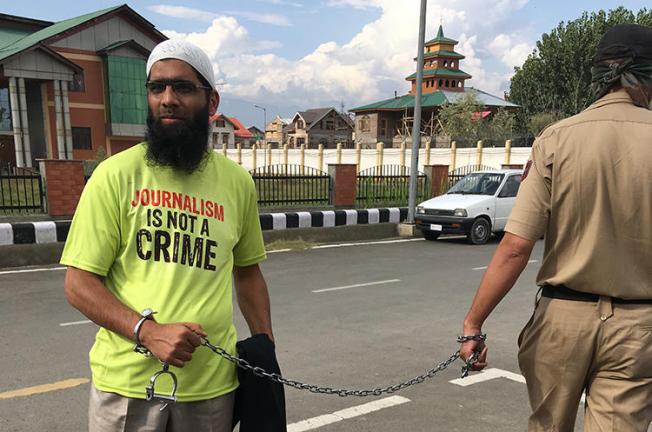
{"x":201,"y":15}
{"x":511,"y":53}
{"x":374,"y":62}
{"x":282,"y":3}
{"x":357,"y":4}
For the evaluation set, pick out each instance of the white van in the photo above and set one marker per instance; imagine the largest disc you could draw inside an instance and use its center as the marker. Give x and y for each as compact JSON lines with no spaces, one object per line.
{"x":476,"y":206}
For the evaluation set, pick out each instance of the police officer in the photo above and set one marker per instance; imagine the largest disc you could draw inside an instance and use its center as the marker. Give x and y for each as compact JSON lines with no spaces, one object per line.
{"x":588,"y":188}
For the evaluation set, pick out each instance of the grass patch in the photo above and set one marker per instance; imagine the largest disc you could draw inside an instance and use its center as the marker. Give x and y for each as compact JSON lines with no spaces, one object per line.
{"x":299,"y":244}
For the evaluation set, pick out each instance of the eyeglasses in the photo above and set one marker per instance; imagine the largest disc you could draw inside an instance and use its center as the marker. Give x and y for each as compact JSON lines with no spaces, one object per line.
{"x":180,"y":87}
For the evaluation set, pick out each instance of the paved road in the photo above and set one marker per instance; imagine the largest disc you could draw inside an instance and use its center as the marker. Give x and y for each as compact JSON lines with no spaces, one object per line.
{"x":383,"y":312}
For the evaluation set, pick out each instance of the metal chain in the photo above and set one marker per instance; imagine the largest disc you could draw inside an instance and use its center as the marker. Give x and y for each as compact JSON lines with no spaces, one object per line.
{"x":258,"y":371}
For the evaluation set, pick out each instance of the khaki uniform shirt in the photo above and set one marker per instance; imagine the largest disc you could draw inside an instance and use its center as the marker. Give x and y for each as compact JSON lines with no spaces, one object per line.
{"x":589,"y":190}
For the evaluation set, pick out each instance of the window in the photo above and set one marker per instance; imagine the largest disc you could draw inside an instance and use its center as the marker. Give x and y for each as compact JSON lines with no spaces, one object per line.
{"x":511,"y":187}
{"x":445,"y":63}
{"x":441,"y":83}
{"x":81,"y":138}
{"x":453,"y":84}
{"x":225,"y":138}
{"x":299,"y":124}
{"x":77,"y":84}
{"x":447,"y":84}
{"x":453,"y":64}
{"x":363,"y":124}
{"x":383,"y":127}
{"x":220,"y":123}
{"x":330,"y":125}
{"x":216,"y":137}
{"x":5,"y":110}
{"x":127,"y":96}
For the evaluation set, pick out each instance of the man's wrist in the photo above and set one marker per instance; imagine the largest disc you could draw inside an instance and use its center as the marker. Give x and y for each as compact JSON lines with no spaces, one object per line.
{"x":145,"y":316}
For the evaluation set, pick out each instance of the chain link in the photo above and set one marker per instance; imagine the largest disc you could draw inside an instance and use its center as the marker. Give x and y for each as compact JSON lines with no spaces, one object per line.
{"x":244,"y":364}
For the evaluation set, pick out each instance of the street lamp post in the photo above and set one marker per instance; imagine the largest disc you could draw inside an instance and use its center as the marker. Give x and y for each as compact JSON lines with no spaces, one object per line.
{"x":416,"y":127}
{"x":264,"y":122}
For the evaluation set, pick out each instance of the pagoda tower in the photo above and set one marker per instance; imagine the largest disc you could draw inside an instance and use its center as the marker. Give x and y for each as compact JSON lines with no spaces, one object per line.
{"x":441,"y":66}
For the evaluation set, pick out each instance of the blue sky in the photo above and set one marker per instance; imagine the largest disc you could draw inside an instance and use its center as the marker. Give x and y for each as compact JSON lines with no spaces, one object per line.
{"x":298,"y":54}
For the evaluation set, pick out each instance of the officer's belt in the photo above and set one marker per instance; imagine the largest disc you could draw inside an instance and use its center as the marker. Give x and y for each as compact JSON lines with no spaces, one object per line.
{"x":564,"y":293}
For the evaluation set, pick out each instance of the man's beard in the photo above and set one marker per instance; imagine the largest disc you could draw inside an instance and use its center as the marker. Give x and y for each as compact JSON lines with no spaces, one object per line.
{"x":182,"y":146}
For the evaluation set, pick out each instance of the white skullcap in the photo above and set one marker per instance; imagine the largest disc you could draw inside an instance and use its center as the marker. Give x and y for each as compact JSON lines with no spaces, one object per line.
{"x":185,"y":51}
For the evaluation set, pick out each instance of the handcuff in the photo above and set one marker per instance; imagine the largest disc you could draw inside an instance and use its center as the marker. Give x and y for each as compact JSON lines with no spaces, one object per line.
{"x":150,"y":390}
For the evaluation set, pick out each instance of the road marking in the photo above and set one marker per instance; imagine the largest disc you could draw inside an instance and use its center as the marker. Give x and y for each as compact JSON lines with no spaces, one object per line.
{"x":328,"y":246}
{"x":486,"y":267}
{"x":493,"y":373}
{"x":32,"y":270}
{"x":44,"y":388}
{"x":357,"y":285}
{"x":66,"y":324}
{"x":348,"y":413}
{"x":486,"y":375}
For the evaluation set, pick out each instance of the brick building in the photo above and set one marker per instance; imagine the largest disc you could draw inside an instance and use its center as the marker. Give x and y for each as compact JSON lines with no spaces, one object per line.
{"x":70,"y":88}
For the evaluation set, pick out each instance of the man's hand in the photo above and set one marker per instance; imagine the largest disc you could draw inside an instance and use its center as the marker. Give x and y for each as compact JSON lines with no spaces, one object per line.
{"x":468,"y":348}
{"x":172,"y":343}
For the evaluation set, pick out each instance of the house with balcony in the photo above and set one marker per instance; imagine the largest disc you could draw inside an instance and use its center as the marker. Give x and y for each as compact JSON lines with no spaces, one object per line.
{"x":316,"y":126}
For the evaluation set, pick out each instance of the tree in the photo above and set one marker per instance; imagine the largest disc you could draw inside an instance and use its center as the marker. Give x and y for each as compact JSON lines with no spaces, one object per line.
{"x":502,"y":125}
{"x":556,"y":77}
{"x":458,"y":120}
{"x":540,"y":121}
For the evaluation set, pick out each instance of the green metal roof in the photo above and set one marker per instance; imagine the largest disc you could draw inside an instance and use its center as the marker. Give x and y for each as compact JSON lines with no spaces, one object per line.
{"x":442,"y":54}
{"x":35,"y":38}
{"x":441,"y":72}
{"x":441,"y":38}
{"x":9,"y":36}
{"x":434,"y":99}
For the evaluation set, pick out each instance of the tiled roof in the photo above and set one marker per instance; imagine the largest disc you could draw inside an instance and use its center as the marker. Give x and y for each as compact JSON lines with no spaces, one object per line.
{"x":240,"y":131}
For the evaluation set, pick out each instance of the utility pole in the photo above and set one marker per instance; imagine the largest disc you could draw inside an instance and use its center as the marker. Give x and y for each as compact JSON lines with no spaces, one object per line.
{"x":416,"y":127}
{"x":264,"y":122}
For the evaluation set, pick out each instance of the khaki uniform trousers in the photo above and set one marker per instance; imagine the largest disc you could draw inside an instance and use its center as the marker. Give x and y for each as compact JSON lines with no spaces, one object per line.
{"x":601,"y":348}
{"x":109,"y":412}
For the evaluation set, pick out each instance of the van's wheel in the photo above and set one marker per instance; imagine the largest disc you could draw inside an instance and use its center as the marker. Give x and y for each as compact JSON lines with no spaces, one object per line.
{"x":479,"y":232}
{"x":430,"y":235}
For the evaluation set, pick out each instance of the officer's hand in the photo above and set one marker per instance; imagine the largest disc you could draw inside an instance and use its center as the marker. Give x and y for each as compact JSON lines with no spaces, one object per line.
{"x":469,"y":347}
{"x":171,"y":343}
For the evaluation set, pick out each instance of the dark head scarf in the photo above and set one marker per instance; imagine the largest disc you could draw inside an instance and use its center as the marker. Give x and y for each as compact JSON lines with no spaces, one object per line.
{"x":624,"y":57}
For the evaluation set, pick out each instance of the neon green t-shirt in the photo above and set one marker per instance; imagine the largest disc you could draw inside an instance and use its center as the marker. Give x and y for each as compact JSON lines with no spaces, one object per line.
{"x":166,"y":241}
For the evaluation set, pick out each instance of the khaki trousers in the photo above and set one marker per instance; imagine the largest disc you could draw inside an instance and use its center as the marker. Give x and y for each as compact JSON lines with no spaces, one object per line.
{"x":601,"y":348}
{"x":109,"y":412}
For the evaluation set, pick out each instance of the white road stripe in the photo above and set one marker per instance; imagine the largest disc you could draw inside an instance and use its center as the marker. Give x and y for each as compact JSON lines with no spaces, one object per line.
{"x":32,"y":270}
{"x":486,"y":267}
{"x":348,"y":413}
{"x":489,"y":374}
{"x":486,"y":375}
{"x":357,"y":285}
{"x":328,"y":246}
{"x":75,"y":323}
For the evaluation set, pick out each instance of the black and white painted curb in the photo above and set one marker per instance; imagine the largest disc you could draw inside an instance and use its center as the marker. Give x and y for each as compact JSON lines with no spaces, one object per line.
{"x":57,"y":231}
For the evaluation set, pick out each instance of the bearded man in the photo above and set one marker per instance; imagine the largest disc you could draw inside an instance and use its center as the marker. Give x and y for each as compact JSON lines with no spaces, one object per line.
{"x":161,"y":231}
